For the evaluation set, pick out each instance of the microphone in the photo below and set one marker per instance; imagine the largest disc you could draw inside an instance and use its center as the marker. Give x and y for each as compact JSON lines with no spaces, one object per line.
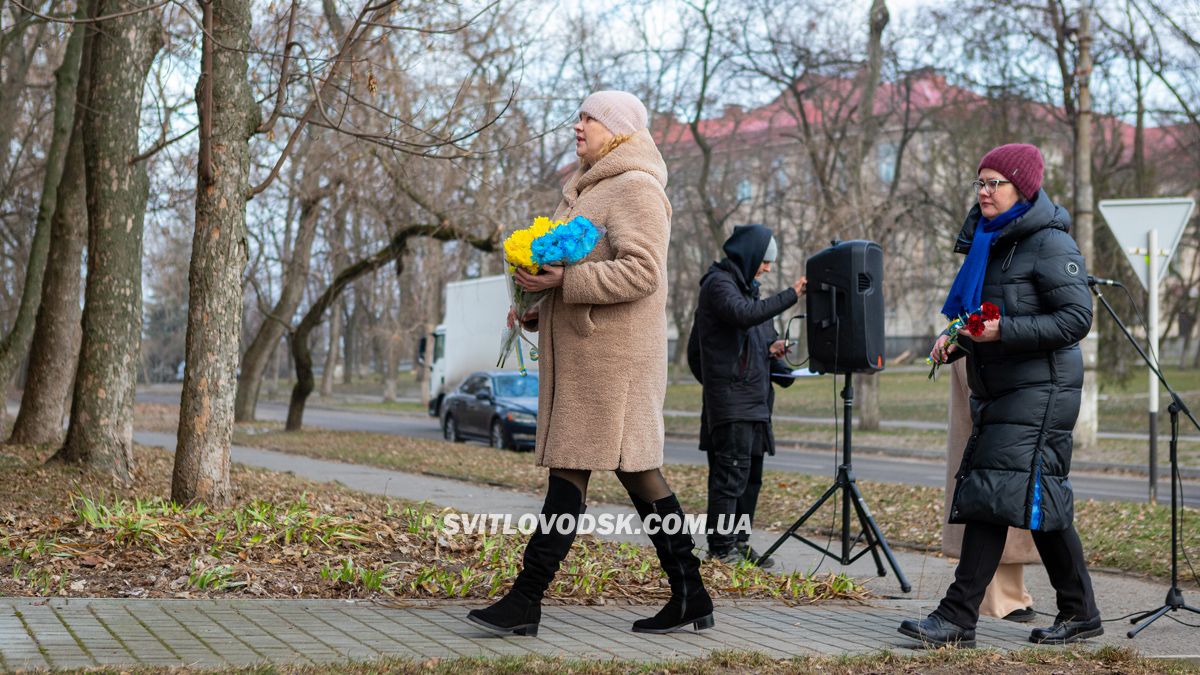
{"x":1097,"y":281}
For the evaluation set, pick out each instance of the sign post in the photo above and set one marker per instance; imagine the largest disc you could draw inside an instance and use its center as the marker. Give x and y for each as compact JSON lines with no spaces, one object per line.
{"x":1137,"y":224}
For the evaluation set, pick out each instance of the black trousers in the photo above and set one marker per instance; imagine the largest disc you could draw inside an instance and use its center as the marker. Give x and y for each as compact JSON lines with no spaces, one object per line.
{"x":982,"y":546}
{"x":735,"y":466}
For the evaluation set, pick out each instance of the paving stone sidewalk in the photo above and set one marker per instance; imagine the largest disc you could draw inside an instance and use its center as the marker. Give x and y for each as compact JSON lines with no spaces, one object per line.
{"x":87,"y":632}
{"x":78,"y":633}
{"x":1117,"y":593}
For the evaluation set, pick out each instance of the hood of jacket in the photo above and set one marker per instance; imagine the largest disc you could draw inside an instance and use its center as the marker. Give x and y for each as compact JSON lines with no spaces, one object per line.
{"x":636,"y":154}
{"x":1042,"y":215}
{"x":744,"y":250}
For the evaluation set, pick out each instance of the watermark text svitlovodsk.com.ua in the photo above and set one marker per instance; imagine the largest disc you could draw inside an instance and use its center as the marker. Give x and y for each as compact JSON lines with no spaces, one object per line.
{"x":604,"y":524}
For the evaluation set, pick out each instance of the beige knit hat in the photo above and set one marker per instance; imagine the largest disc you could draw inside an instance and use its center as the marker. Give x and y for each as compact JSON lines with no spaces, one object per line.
{"x":620,"y":111}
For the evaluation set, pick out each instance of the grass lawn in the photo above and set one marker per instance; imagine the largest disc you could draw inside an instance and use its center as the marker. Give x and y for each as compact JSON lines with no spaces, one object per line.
{"x":924,"y":441}
{"x":69,"y":532}
{"x":394,"y":407}
{"x":1116,"y":535}
{"x":905,"y":394}
{"x":910,"y":395}
{"x":1103,"y":661}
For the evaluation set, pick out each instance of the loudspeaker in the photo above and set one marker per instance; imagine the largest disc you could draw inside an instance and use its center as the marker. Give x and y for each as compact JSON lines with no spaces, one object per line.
{"x":845,"y":308}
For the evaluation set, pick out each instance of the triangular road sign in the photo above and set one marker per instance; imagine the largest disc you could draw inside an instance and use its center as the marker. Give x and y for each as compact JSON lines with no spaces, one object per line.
{"x":1131,"y":221}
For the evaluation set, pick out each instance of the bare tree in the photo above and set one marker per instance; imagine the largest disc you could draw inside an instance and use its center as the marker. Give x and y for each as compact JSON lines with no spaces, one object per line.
{"x":1072,"y":50}
{"x":228,"y":118}
{"x":101,"y":428}
{"x":65,"y":145}
{"x":15,"y":345}
{"x":877,"y":21}
{"x":277,"y":319}
{"x":393,"y":252}
{"x":834,"y":99}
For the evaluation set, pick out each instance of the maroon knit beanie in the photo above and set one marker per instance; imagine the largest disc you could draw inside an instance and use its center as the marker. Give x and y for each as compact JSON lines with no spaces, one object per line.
{"x":1019,"y":162}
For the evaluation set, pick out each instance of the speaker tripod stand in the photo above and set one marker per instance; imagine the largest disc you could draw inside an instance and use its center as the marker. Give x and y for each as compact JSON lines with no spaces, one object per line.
{"x":851,"y":496}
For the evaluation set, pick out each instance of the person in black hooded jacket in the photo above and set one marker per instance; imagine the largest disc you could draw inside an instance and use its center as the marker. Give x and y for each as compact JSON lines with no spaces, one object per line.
{"x":1025,"y":372}
{"x":733,"y":351}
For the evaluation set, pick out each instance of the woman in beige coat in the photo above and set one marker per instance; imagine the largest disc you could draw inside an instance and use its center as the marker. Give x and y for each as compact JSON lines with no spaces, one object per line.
{"x":1006,"y":596}
{"x":602,"y":336}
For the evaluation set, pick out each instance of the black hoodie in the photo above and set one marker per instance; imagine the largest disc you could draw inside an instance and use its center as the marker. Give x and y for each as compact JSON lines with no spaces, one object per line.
{"x":731,"y":332}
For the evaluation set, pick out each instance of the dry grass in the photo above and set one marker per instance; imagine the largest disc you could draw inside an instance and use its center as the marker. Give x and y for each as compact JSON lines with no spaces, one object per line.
{"x":1080,"y":661}
{"x":1116,"y":535}
{"x":66,"y":531}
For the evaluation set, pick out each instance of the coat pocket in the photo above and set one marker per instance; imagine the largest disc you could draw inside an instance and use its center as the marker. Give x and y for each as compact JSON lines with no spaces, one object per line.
{"x":581,"y":320}
{"x":960,"y":476}
{"x":968,"y":454}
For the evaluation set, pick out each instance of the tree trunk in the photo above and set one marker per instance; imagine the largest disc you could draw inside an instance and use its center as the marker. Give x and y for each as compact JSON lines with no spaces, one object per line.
{"x":1187,"y":325}
{"x":266,"y":340}
{"x":391,"y":363}
{"x":54,"y":348}
{"x":101,"y":429}
{"x":349,"y":334}
{"x":280,"y":364}
{"x":877,"y":21}
{"x":388,"y":340}
{"x":868,"y":402}
{"x":331,"y":355}
{"x":1141,"y":178}
{"x":425,"y":363}
{"x":17,"y":58}
{"x":15,"y":345}
{"x":228,"y":117}
{"x":1088,"y":422}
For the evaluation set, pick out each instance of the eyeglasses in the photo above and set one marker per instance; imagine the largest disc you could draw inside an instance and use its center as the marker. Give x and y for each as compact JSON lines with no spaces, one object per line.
{"x":989,"y":186}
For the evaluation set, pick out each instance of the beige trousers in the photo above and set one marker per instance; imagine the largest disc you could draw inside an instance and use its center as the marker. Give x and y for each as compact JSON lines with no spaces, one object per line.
{"x":1007,"y":591}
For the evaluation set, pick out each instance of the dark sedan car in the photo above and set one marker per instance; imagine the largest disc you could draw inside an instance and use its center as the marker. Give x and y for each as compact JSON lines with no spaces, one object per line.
{"x":498,"y":406}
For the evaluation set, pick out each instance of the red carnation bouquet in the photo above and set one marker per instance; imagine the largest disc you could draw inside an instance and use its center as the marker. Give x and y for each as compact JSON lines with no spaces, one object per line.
{"x":971,"y":324}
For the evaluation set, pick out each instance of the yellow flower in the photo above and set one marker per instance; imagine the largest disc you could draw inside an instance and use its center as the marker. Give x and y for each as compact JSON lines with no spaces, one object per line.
{"x":518,"y":246}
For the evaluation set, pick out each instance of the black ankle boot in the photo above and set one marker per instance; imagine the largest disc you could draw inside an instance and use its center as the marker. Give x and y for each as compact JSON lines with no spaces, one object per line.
{"x":1067,"y":630}
{"x":689,"y":603}
{"x":520,"y":611}
{"x":934,"y":631}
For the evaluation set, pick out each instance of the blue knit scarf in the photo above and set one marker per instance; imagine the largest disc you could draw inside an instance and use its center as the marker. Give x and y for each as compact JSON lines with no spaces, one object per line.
{"x":966,"y":294}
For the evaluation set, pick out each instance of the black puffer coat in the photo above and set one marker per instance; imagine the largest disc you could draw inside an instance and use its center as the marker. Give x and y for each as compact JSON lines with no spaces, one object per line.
{"x":728,"y":346}
{"x":1025,"y":388}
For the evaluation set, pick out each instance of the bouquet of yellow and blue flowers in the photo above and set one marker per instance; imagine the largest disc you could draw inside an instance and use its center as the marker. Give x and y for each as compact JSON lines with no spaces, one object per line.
{"x":544,"y":243}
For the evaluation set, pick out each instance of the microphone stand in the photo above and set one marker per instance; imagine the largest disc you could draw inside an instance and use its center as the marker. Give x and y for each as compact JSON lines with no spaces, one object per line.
{"x":1174,"y":600}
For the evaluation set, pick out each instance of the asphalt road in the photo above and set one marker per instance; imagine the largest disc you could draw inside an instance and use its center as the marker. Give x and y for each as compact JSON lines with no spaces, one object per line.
{"x":1103,"y":487}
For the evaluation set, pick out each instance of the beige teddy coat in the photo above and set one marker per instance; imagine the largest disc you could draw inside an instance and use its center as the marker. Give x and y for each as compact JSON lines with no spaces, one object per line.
{"x":602,"y":336}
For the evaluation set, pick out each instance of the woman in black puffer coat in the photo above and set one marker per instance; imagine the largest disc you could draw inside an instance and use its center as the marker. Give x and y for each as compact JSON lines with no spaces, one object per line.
{"x":1025,"y":372}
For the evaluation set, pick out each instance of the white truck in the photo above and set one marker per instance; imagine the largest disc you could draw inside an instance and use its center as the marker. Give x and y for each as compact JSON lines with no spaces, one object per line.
{"x":468,"y":339}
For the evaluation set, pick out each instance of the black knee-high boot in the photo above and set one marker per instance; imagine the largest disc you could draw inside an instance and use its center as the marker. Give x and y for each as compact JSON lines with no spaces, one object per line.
{"x":690,"y":602}
{"x":519,"y":612}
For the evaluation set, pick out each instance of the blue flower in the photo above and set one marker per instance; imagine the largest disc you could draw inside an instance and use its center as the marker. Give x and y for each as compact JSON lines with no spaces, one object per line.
{"x":566,"y":244}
